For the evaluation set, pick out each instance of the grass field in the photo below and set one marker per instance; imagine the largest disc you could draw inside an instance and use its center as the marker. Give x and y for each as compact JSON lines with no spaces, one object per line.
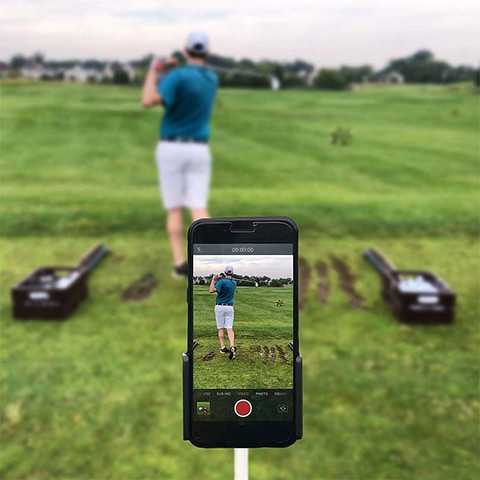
{"x":99,"y":396}
{"x":258,"y":323}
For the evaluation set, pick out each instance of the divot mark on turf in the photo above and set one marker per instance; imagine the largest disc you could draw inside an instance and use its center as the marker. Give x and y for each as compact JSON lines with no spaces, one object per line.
{"x":304,"y":282}
{"x":255,"y":349}
{"x":323,"y":287}
{"x":273,"y":354}
{"x":141,"y":288}
{"x":281,"y":354}
{"x":265,"y":354}
{"x":208,"y":357}
{"x":347,"y":283}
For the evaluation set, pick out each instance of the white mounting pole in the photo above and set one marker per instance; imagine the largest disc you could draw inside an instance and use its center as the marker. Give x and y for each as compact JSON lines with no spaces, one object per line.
{"x":240,"y":469}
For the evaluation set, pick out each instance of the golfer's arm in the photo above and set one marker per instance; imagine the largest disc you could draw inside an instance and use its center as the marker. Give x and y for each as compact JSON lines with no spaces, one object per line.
{"x":212,"y":286}
{"x":150,"y":96}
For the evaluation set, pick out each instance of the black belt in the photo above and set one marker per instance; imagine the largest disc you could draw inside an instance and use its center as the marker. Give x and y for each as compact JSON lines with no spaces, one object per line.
{"x":183,"y":140}
{"x":226,"y":304}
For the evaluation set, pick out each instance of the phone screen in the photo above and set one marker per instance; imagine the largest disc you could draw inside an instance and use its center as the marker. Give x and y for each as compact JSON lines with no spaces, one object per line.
{"x":243,"y":332}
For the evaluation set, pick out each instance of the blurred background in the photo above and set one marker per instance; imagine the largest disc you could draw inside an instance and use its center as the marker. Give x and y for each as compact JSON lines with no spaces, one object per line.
{"x":359,"y":119}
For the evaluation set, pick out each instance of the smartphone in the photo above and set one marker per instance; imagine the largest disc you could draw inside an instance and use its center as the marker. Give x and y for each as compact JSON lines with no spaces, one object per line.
{"x":242,"y":368}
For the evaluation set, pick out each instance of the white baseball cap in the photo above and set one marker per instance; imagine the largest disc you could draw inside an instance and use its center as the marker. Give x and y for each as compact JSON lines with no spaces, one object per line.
{"x":197,"y":42}
{"x":229,"y":270}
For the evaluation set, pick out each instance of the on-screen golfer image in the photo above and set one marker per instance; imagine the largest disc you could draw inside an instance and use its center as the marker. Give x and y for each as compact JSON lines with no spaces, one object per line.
{"x":224,"y":312}
{"x":242,"y":321}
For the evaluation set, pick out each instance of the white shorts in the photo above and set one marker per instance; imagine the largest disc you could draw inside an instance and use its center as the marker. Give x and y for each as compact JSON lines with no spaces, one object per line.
{"x":224,"y":316}
{"x":184,"y":173}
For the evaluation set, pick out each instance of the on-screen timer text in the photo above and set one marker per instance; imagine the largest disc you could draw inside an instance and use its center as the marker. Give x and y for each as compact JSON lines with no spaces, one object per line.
{"x":243,"y":249}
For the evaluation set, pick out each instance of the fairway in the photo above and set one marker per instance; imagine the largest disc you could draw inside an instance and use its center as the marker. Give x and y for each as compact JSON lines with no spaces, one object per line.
{"x":78,"y":160}
{"x":100,"y":395}
{"x":262,"y":333}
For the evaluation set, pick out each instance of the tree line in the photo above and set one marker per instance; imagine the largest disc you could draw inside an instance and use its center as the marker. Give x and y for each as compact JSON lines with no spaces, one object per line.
{"x":421,"y":67}
{"x":249,"y":281}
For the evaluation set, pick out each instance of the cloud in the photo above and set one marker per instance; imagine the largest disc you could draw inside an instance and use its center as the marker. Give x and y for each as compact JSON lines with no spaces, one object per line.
{"x":326,"y":33}
{"x":273,"y":266}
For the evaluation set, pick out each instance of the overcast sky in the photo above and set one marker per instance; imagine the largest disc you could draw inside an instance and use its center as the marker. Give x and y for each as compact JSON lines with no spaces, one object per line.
{"x":325,"y":32}
{"x":273,"y":266}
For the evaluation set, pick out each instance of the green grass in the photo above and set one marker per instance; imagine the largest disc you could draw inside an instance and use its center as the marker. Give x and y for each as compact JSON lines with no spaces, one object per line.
{"x":258,"y":322}
{"x":99,"y":396}
{"x":410,"y":170}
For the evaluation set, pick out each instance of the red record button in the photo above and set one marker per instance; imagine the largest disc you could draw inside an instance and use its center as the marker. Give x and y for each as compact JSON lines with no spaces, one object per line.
{"x":243,"y":408}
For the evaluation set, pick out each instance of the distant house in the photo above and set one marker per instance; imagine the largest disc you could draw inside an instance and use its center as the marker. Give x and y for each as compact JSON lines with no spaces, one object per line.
{"x":307,"y":75}
{"x":131,"y":72}
{"x":33,"y":71}
{"x":81,"y":74}
{"x":274,"y":83}
{"x":392,"y":77}
{"x":76,"y":73}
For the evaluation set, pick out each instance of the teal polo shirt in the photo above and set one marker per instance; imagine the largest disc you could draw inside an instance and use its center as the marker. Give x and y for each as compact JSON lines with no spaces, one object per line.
{"x":225,"y":290}
{"x":188,"y":94}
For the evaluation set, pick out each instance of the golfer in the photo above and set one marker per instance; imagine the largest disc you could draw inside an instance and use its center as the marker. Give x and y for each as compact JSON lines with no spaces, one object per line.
{"x":182,"y":154}
{"x":225,"y":290}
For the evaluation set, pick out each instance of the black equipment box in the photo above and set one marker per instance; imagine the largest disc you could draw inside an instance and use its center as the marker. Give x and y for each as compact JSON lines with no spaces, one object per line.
{"x":55,"y":292}
{"x":413,"y":296}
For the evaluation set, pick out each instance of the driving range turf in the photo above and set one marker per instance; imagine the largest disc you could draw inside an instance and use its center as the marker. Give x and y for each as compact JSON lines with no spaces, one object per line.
{"x":99,"y":396}
{"x":262,"y":333}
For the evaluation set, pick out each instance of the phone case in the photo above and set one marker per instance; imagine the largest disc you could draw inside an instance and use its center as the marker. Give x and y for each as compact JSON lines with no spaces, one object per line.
{"x":187,"y":373}
{"x":298,"y":397}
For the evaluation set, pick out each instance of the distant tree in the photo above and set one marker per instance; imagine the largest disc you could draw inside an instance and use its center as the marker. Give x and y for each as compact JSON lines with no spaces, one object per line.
{"x":269,"y":67}
{"x":299,"y":65}
{"x":463,"y":73}
{"x":422,"y":56}
{"x":293,"y":81}
{"x":140,"y":76}
{"x":276,"y":283}
{"x":277,"y":71}
{"x":223,"y":79}
{"x":246,"y":63}
{"x":61,"y":64}
{"x":242,"y":80}
{"x":355,"y":74}
{"x":37,"y":58}
{"x":219,"y":61}
{"x":264,"y":67}
{"x":94,"y":64}
{"x":421,"y":67}
{"x":433,"y":72}
{"x":120,"y":77}
{"x":476,"y":79}
{"x":180,"y":57}
{"x":18,"y":61}
{"x":328,"y":79}
{"x":144,"y":62}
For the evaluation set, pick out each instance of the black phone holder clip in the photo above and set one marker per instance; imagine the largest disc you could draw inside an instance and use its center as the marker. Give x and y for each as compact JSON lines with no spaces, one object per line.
{"x":188,"y":388}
